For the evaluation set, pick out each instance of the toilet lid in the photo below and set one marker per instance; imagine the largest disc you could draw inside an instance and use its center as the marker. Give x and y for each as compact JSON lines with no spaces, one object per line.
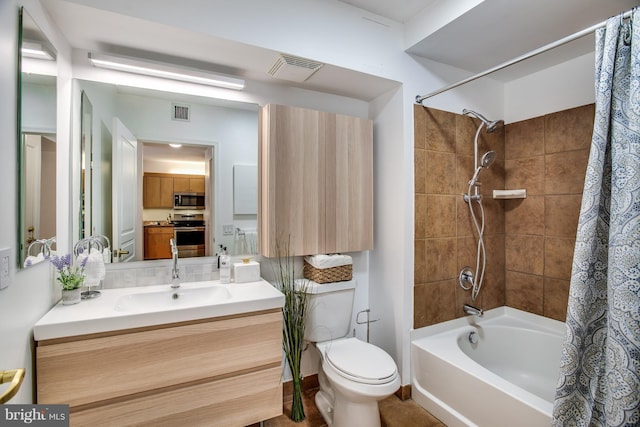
{"x":360,"y":361}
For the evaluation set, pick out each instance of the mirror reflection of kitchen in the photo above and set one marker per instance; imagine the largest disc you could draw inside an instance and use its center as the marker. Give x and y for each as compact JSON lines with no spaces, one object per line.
{"x":174,"y":199}
{"x":158,"y":166}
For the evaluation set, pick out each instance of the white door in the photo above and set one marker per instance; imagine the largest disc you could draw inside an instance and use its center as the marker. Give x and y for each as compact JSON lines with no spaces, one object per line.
{"x":125,"y":192}
{"x":32,"y":158}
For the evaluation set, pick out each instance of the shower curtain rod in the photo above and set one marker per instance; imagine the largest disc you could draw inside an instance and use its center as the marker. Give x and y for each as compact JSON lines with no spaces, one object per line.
{"x":521,"y":58}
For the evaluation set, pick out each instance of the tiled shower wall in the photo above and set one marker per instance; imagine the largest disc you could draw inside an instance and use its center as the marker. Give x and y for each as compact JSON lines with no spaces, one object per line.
{"x":529,"y":241}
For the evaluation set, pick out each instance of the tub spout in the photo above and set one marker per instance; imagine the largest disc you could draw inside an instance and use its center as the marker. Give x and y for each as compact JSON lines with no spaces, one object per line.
{"x":469,"y":309}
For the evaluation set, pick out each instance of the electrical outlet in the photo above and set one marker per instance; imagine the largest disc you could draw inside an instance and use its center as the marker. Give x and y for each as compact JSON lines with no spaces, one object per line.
{"x":227,"y":229}
{"x":5,"y":262}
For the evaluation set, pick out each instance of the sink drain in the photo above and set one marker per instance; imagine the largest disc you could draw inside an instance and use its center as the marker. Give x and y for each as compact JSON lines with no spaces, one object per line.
{"x":175,"y":295}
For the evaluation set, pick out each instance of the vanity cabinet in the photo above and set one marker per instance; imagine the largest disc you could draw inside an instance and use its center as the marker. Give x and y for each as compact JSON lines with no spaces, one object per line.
{"x":219,"y":371}
{"x":158,"y":188}
{"x":157,"y":243}
{"x":316,"y":181}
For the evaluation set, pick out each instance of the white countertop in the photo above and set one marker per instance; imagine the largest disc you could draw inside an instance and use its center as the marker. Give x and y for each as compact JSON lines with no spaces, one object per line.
{"x":99,"y":314}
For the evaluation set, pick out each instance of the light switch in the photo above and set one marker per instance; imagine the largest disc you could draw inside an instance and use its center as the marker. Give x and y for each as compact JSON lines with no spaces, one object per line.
{"x":5,"y":272}
{"x":227,"y":229}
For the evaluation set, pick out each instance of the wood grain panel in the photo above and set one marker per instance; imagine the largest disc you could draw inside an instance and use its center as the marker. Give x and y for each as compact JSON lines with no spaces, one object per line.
{"x":141,"y":361}
{"x":237,"y":401}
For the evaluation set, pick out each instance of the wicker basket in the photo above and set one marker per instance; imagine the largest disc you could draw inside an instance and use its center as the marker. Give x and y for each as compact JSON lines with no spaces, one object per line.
{"x":328,"y":275}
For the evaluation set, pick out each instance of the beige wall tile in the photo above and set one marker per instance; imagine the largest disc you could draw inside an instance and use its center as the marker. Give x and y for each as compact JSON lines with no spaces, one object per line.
{"x":558,"y":257}
{"x":556,"y":297}
{"x":524,"y":139}
{"x":525,"y":254}
{"x":467,"y":248}
{"x":441,"y":259}
{"x":419,"y":126}
{"x":525,"y":216}
{"x":420,"y":261}
{"x":562,"y":214}
{"x":524,"y":292}
{"x":465,"y":133}
{"x":420,"y":171}
{"x":441,"y":172}
{"x":569,"y":129}
{"x":464,"y":173}
{"x":420,"y":217}
{"x":493,"y":216}
{"x":564,"y":172}
{"x":441,"y":130}
{"x":441,"y":216}
{"x":433,"y":303}
{"x":527,"y":173}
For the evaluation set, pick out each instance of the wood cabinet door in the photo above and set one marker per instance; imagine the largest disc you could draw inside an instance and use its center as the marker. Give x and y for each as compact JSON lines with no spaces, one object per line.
{"x":181,"y":184}
{"x":196,"y":185}
{"x":157,"y":242}
{"x":349,"y":181}
{"x":151,"y":191}
{"x":166,"y":192}
{"x":293,"y":191}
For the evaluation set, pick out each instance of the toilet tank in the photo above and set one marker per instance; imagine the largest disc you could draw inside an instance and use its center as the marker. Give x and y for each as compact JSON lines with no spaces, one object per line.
{"x":330,"y":309}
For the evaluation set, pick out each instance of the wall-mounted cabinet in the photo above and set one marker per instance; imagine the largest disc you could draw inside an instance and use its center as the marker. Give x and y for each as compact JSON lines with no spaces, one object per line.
{"x":316,"y":181}
{"x":158,"y":188}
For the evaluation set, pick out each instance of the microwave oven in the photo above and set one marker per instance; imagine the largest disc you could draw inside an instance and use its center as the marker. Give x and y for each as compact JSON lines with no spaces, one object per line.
{"x":188,"y":200}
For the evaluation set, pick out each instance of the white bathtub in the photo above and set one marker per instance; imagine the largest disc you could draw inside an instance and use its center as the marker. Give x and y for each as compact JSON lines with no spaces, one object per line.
{"x":507,"y":378}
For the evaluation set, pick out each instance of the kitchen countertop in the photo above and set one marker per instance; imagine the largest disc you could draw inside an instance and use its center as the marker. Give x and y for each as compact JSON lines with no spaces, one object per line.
{"x":100,"y":314}
{"x":158,"y":224}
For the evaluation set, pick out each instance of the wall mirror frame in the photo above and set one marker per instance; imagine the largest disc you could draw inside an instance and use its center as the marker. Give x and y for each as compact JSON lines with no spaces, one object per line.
{"x":36,"y":139}
{"x":226,"y":132}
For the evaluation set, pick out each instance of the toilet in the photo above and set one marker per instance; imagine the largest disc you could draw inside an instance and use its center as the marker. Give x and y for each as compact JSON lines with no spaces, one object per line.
{"x":353,"y":375}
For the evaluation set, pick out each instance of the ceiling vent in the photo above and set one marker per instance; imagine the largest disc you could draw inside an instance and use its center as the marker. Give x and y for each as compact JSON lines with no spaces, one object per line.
{"x":294,"y":68}
{"x":180,"y":112}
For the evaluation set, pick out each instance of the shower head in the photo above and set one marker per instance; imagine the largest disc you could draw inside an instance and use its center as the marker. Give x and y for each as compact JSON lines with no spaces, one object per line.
{"x":487,"y":159}
{"x":491,"y":126}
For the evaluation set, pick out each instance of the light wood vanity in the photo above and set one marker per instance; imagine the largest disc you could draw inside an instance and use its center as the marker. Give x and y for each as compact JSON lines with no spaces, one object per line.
{"x":222,"y":370}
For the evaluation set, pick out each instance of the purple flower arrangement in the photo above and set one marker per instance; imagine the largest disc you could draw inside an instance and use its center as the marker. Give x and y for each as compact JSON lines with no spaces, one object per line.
{"x":70,"y":276}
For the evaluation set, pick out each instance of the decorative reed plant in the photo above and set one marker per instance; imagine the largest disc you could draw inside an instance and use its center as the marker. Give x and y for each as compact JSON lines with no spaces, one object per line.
{"x":294,"y":314}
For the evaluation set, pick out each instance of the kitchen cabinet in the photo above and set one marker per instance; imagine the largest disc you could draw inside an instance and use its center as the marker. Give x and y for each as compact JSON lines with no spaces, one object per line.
{"x":316,"y":181}
{"x":158,"y":188}
{"x":199,"y":373}
{"x":157,"y":191}
{"x":188,"y":184}
{"x":157,"y":241}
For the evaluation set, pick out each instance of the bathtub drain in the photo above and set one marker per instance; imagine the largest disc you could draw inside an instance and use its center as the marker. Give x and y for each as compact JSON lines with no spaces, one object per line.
{"x":473,"y":337}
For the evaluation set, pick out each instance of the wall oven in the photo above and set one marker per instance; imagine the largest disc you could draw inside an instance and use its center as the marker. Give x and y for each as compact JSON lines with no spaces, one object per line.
{"x":189,"y":232}
{"x":188,"y":201}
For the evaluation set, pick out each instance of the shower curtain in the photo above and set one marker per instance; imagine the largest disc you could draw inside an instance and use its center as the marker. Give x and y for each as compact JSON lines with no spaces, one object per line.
{"x":599,"y":383}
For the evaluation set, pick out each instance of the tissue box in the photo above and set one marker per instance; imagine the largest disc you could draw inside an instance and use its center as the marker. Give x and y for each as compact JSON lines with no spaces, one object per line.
{"x":246,"y":272}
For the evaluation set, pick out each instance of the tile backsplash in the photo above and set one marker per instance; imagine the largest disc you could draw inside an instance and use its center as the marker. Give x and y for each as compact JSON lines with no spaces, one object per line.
{"x":124,"y":275}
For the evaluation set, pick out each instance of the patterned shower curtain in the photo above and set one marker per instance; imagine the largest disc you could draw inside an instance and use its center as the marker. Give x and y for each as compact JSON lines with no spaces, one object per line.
{"x":599,"y":383}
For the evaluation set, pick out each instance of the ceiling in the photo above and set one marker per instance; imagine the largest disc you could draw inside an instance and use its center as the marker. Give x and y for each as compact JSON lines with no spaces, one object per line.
{"x":488,"y":34}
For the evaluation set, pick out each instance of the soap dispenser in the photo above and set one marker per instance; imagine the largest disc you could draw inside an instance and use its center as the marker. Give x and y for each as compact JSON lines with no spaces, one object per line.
{"x":225,"y":266}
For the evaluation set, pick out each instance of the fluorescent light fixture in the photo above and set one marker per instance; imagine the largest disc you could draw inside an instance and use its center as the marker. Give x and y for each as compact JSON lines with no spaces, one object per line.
{"x":36,"y":50}
{"x":156,"y":69}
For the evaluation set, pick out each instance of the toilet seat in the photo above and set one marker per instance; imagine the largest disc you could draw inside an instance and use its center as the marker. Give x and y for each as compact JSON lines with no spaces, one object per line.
{"x":361,"y":362}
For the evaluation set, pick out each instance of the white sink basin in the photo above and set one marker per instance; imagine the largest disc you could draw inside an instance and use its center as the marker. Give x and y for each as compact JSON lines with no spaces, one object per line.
{"x":172,"y":298}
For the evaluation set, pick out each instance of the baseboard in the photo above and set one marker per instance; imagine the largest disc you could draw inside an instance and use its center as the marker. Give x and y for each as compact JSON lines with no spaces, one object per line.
{"x":404,"y":392}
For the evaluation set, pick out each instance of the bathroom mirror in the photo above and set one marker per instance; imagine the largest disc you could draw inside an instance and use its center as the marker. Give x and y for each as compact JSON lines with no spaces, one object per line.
{"x":221,"y":134}
{"x":36,"y":142}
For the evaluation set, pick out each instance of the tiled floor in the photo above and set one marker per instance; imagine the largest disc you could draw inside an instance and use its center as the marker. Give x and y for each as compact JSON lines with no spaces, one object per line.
{"x":393,"y":413}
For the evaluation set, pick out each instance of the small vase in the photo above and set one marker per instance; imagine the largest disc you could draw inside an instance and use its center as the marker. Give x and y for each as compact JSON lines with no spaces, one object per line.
{"x":71,"y":296}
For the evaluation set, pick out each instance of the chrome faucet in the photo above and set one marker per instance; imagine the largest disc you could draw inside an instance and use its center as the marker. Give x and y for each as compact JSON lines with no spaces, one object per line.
{"x":469,"y":309}
{"x":175,"y":273}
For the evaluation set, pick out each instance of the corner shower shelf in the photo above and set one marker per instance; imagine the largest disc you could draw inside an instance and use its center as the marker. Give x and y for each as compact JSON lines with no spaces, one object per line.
{"x":510,"y":194}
